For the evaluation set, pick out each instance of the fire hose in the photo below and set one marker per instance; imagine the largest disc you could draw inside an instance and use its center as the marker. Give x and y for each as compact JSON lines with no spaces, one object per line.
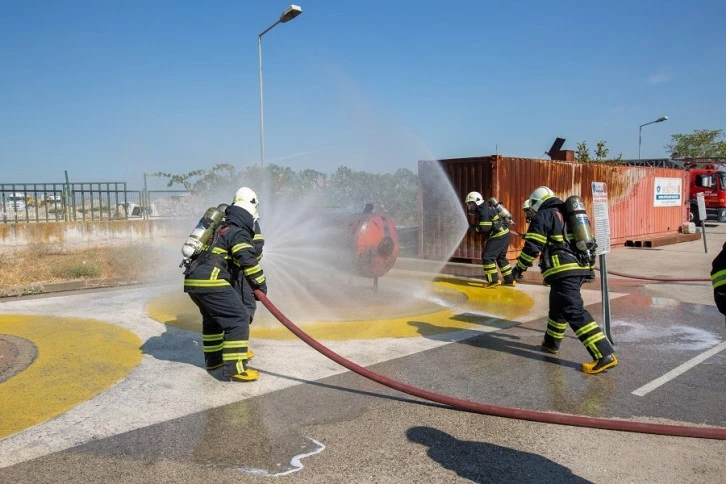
{"x":495,"y":410}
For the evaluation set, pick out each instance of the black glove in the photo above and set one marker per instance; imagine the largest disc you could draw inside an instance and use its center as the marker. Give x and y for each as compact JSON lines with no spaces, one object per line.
{"x":262,"y":288}
{"x":517,"y":273}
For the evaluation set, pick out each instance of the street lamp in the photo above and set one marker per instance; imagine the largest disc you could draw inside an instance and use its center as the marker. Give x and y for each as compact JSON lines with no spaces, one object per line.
{"x":288,"y":14}
{"x":640,"y":131}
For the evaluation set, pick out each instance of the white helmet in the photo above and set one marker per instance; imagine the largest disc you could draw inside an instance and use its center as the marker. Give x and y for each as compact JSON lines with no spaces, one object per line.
{"x":474,"y":197}
{"x":247,"y":199}
{"x":539,"y":195}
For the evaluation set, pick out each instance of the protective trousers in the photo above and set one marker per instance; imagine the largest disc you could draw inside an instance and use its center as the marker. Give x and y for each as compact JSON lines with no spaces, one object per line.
{"x":495,"y":254}
{"x":225,"y":329}
{"x":567,"y":307}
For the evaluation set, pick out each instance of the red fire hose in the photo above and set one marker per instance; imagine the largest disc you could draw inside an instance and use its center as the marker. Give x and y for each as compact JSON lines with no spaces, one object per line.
{"x":498,"y":411}
{"x":659,"y":279}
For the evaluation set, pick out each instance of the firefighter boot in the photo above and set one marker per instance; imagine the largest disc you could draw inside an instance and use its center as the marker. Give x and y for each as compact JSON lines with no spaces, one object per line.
{"x":239,"y":372}
{"x":492,"y":284}
{"x":600,"y":365}
{"x":549,"y":348}
{"x":509,"y":282}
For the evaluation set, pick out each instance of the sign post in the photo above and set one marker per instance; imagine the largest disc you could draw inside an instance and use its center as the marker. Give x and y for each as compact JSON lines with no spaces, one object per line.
{"x":602,"y":236}
{"x":702,"y":217}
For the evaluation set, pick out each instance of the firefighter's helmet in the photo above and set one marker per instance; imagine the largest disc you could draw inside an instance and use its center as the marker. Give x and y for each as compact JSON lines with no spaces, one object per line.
{"x":474,"y":197}
{"x":538,"y":196}
{"x":527,"y":208}
{"x":247,"y":199}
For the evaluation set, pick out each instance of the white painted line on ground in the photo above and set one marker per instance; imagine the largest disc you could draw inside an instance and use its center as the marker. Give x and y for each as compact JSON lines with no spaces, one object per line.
{"x":645,"y":389}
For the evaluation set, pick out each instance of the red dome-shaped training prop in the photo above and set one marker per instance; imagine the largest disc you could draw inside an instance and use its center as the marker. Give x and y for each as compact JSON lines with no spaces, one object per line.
{"x":374,"y":243}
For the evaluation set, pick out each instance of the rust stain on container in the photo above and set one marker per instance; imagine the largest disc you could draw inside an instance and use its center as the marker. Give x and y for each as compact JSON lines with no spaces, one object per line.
{"x":631,"y":195}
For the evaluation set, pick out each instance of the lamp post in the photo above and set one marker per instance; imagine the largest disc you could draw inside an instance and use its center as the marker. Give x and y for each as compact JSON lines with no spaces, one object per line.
{"x":288,"y":14}
{"x":640,"y":131}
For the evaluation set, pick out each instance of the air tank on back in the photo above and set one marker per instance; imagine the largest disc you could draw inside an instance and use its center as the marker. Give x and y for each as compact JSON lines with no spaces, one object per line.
{"x":501,"y":210}
{"x":202,"y":233}
{"x":580,"y":224}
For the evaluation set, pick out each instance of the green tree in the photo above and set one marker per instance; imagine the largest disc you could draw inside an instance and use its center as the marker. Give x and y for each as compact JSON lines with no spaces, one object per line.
{"x":702,"y":143}
{"x":582,"y":153}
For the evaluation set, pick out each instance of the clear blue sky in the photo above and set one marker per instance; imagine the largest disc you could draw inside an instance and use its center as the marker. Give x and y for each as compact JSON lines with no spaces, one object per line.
{"x":110,"y":89}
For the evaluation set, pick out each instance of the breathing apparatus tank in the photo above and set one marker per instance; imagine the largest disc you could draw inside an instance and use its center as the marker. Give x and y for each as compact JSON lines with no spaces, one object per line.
{"x":501,"y":210}
{"x":201,"y":236}
{"x":580,"y":225}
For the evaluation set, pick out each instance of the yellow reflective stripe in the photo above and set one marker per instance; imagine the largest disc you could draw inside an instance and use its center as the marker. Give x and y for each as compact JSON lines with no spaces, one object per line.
{"x":557,"y":238}
{"x":212,"y":337}
{"x":522,"y":265}
{"x":493,"y":265}
{"x":218,"y":250}
{"x":555,"y":335}
{"x":500,"y":233}
{"x":252,"y":270}
{"x":563,"y":268}
{"x":258,"y":257}
{"x":556,"y":260}
{"x":237,"y":247}
{"x":213,"y":348}
{"x":590,"y":343}
{"x":215,"y":273}
{"x":237,"y":344}
{"x":718,"y":279}
{"x":588,"y":327}
{"x":205,"y":283}
{"x":536,"y":237}
{"x":260,"y":280}
{"x":238,"y":355}
{"x":552,"y":322}
{"x":526,"y":257}
{"x":258,"y":237}
{"x":485,"y":224}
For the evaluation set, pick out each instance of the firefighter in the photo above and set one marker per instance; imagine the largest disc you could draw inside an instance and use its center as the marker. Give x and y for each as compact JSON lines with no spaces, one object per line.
{"x":242,"y":284}
{"x":486,"y":220}
{"x":208,"y":281}
{"x":718,"y":280}
{"x":564,"y":269}
{"x":528,"y":212}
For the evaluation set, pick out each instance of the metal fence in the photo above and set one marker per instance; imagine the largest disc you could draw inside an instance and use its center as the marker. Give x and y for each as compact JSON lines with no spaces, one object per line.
{"x":91,"y":201}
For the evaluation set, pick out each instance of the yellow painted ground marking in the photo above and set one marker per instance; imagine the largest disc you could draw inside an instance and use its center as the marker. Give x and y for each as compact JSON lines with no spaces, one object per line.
{"x":482,"y":307}
{"x":77,"y":359}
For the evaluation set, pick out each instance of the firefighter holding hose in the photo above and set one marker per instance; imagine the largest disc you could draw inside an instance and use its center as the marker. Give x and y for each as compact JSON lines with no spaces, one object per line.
{"x":209,"y":280}
{"x":558,"y":235}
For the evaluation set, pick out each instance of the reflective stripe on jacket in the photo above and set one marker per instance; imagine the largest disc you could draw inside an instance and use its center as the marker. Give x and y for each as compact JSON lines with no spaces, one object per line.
{"x":233,"y":248}
{"x":546,"y":238}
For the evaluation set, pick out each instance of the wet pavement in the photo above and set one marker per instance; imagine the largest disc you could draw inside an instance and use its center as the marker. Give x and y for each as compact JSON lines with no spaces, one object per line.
{"x":116,"y":390}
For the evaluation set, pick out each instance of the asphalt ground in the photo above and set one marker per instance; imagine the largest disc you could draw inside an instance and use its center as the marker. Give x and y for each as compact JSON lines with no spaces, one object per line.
{"x":108,"y":386}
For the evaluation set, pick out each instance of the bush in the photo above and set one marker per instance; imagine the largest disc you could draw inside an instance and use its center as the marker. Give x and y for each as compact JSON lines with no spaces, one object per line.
{"x":77,"y":270}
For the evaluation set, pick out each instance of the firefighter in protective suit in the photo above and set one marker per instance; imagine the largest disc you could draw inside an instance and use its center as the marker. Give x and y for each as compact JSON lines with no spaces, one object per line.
{"x":242,"y":284}
{"x":564,"y":270}
{"x":209,"y":283}
{"x":488,"y":222}
{"x":718,"y":280}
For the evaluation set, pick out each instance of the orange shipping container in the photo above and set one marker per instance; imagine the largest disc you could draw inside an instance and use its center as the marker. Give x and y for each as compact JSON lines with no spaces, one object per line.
{"x":633,"y":214}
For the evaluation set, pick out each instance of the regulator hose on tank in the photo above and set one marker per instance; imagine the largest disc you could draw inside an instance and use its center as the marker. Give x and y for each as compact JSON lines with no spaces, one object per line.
{"x":497,"y":411}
